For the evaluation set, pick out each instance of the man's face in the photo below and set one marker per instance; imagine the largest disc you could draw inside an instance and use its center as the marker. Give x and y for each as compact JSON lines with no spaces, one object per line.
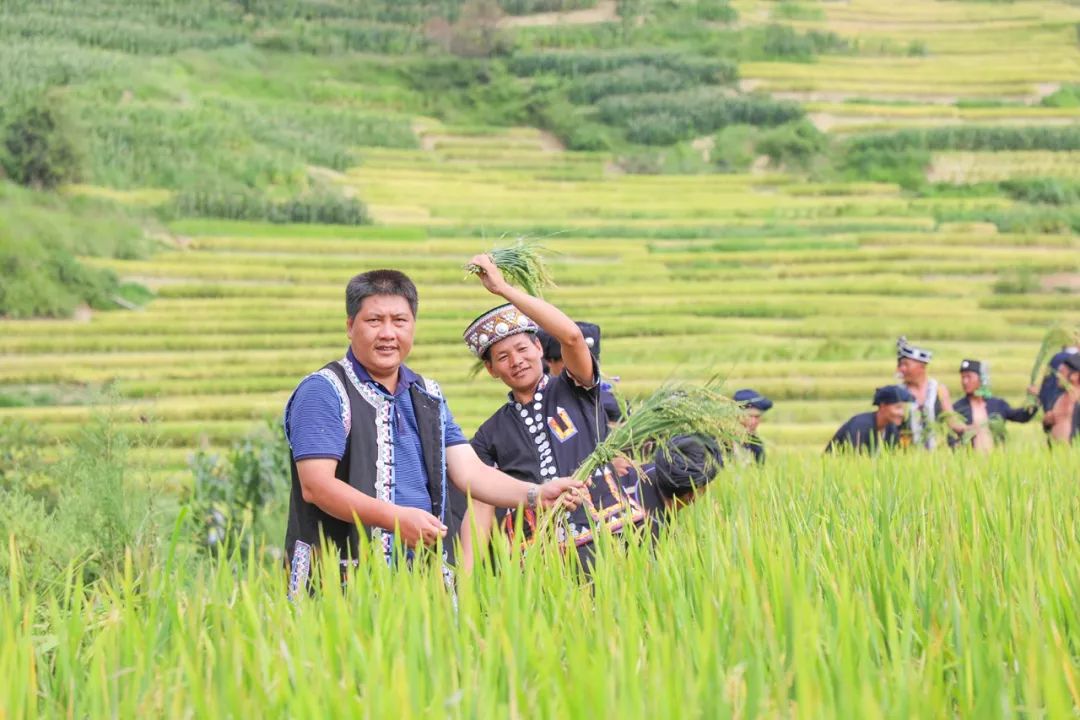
{"x":892,"y":412}
{"x":555,"y":367}
{"x":516,"y":361}
{"x":1073,"y":376}
{"x":911,"y":370}
{"x":381,"y":333}
{"x":751,"y":419}
{"x":969,"y":381}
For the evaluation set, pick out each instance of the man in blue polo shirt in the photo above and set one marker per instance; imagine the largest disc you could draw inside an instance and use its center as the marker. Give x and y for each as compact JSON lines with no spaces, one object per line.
{"x":374,"y":444}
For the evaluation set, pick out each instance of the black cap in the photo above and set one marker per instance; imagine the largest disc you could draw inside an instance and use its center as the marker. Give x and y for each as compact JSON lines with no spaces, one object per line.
{"x":553,"y":349}
{"x":891,"y":394}
{"x":752,"y":398}
{"x":1072,"y":361}
{"x":970,"y":366}
{"x":687,"y":462}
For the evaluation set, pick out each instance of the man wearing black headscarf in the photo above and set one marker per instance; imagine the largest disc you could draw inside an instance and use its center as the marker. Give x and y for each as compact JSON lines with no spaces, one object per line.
{"x":868,"y":432}
{"x":680,"y":469}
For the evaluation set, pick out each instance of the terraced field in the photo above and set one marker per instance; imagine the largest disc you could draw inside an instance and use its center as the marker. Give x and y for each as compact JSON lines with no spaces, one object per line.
{"x":923,"y":58}
{"x":794,"y":287}
{"x":798,"y":290}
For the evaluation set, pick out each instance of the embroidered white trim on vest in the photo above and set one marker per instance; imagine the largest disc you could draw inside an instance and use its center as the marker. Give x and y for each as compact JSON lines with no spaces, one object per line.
{"x":343,"y":397}
{"x":299,"y":568}
{"x":922,"y":416}
{"x":433,"y":388}
{"x":384,"y":453}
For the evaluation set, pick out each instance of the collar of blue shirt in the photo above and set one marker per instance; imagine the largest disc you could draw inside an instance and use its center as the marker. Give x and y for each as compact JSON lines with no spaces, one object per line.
{"x":406,"y":377}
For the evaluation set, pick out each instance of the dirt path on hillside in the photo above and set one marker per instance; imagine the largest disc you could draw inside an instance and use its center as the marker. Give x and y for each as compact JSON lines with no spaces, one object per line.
{"x":605,"y":11}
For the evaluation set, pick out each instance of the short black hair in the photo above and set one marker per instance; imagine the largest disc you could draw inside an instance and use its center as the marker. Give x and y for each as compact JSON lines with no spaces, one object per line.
{"x":379,"y":282}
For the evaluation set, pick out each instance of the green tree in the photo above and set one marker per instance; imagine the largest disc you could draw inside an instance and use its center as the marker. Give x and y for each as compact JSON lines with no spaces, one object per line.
{"x":38,"y":149}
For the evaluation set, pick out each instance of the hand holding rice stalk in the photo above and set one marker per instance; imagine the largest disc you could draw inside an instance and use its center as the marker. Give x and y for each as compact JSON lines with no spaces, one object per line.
{"x":521,"y":264}
{"x":1056,"y":336}
{"x":672,"y":410}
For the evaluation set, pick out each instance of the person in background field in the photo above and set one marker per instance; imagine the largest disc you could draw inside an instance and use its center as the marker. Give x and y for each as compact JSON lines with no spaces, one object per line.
{"x":1062,"y":422}
{"x":930,"y":398}
{"x":982,"y":411}
{"x":373,"y":445}
{"x":1054,"y":381}
{"x":549,"y":423}
{"x":680,"y":470}
{"x":755,"y":404}
{"x":869,"y":432}
{"x":553,"y":357}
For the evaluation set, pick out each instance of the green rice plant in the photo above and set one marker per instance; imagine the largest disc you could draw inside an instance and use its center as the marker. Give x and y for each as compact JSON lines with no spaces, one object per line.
{"x":673,"y":409}
{"x":901,"y":586}
{"x":1056,"y":337}
{"x":522,"y":264}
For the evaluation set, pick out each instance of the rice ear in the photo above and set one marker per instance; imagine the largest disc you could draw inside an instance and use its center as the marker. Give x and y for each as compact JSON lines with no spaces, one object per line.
{"x":522,"y":264}
{"x":1056,"y":336}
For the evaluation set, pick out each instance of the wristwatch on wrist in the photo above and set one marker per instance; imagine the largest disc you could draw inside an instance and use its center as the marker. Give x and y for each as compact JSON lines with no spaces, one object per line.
{"x":533,"y":498}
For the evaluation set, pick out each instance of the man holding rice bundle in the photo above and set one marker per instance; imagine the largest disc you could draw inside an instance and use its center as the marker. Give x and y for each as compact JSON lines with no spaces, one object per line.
{"x":550,"y":423}
{"x":374,"y":446}
{"x":985,"y":414}
{"x":1062,"y":421}
{"x":930,"y":399}
{"x":1055,"y":381}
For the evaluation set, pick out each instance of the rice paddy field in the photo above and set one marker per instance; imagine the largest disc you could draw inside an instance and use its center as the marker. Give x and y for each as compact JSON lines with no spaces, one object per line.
{"x":795,"y":289}
{"x":908,"y":585}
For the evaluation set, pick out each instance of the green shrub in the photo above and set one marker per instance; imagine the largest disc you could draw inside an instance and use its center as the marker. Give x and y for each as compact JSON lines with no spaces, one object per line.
{"x":231,"y":494}
{"x":1023,"y":219}
{"x":794,"y":145}
{"x":662,"y":118}
{"x":1046,"y":191}
{"x":92,"y":515}
{"x":40,"y":237}
{"x":1020,"y":282}
{"x":1067,"y":96}
{"x":792,"y":10}
{"x":715,"y":11}
{"x":630,"y":79}
{"x":552,"y":112}
{"x":972,"y":138}
{"x":323,"y":206}
{"x":905,"y":167}
{"x":525,"y":7}
{"x":681,"y":159}
{"x":782,"y":42}
{"x":575,"y":63}
{"x":734,"y":148}
{"x":39,"y":149}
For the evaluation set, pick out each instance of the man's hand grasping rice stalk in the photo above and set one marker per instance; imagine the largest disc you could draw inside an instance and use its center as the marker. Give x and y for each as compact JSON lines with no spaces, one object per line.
{"x":521,"y":264}
{"x":673,"y":410}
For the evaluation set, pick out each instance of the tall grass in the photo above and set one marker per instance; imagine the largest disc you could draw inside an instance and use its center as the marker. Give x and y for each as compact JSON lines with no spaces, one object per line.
{"x":916,"y":586}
